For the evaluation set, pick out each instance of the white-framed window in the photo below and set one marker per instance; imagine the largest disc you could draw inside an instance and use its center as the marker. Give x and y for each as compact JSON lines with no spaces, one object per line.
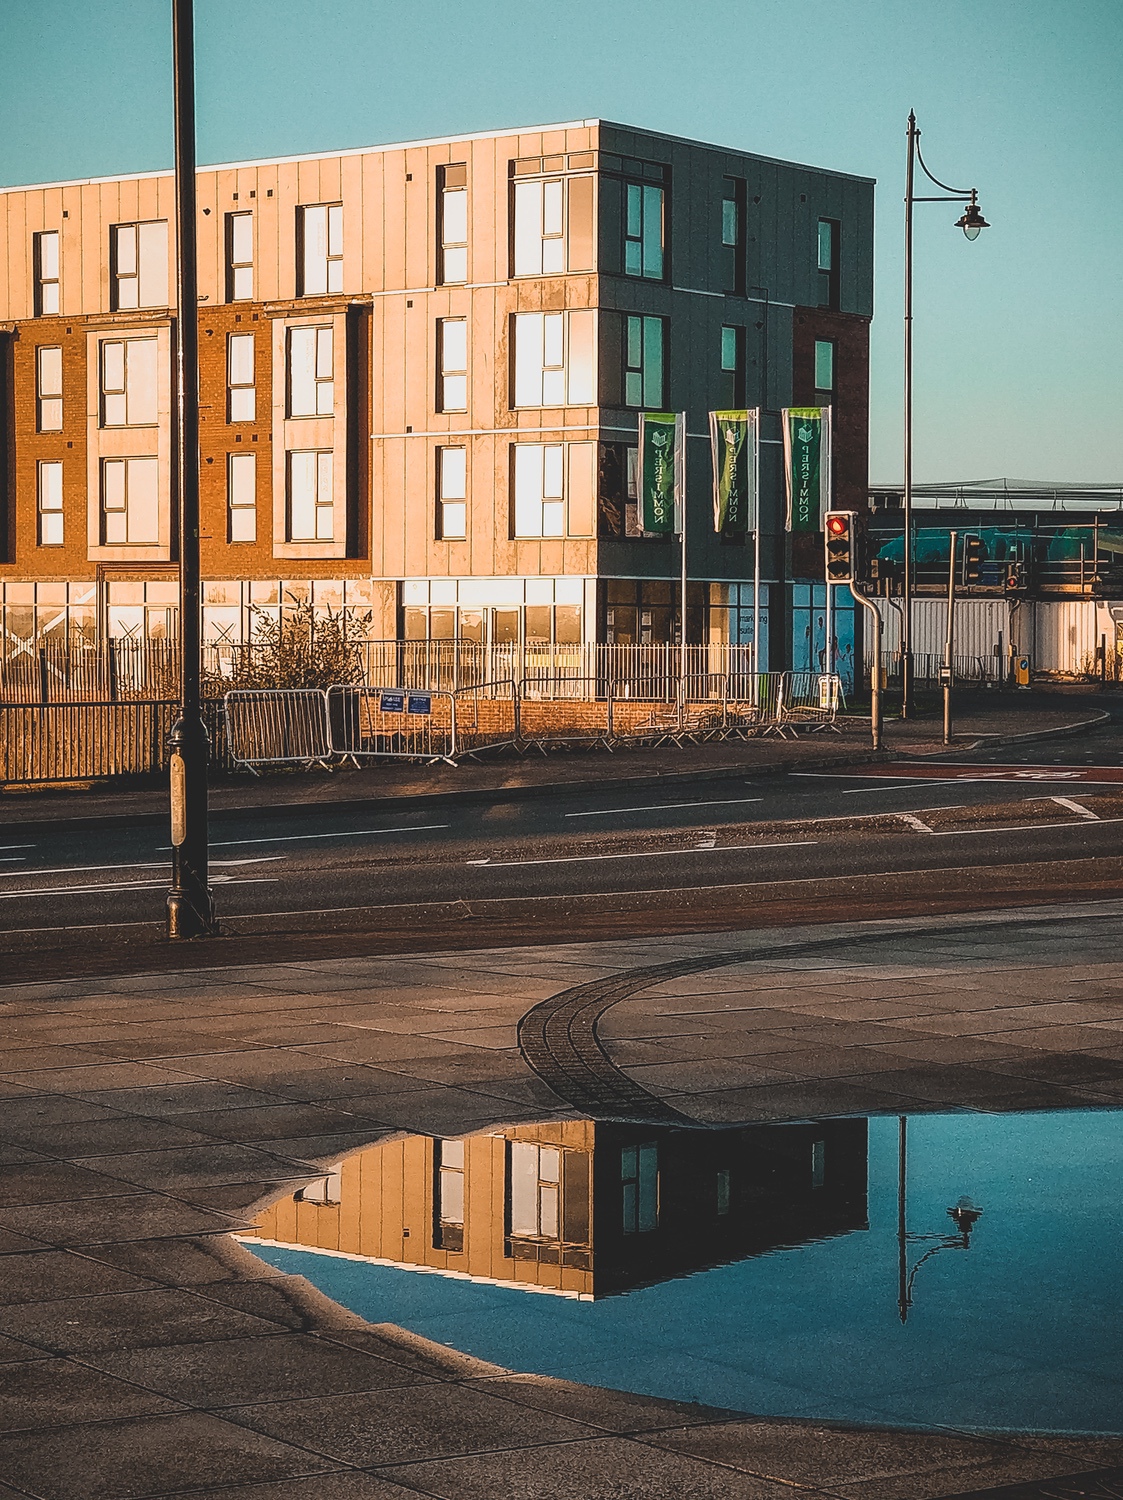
{"x":554,"y":358}
{"x":644,"y":362}
{"x":540,"y":227}
{"x":553,"y":489}
{"x":139,"y":264}
{"x":639,"y":1181}
{"x":311,"y":507}
{"x":453,"y":220}
{"x":241,"y":402}
{"x":534,"y":1190}
{"x":452,"y":494}
{"x":48,"y":388}
{"x":553,"y":226}
{"x":49,"y":481}
{"x":824,"y":365}
{"x":320,"y":248}
{"x":241,"y":497}
{"x":46,"y":254}
{"x":450,"y":1195}
{"x":129,"y":394}
{"x":643,"y":230}
{"x":130,"y":500}
{"x":539,"y":489}
{"x":239,"y":257}
{"x":311,"y":372}
{"x":452,"y":364}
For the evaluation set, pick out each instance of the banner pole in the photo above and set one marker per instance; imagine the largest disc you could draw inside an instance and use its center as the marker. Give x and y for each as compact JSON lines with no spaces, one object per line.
{"x":756,"y":558}
{"x":680,"y":476}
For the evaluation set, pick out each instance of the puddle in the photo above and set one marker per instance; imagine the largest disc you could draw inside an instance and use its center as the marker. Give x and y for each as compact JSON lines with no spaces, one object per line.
{"x":957,"y":1269}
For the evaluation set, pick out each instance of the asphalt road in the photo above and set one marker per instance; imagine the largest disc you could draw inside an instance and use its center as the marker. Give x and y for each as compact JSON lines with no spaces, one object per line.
{"x":966,"y":819}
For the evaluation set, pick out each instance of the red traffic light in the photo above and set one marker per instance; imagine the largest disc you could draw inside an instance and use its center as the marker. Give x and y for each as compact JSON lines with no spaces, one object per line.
{"x":838,"y":525}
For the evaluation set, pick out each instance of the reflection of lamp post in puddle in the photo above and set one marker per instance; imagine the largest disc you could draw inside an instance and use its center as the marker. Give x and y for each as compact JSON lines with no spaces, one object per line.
{"x":964,"y":1215}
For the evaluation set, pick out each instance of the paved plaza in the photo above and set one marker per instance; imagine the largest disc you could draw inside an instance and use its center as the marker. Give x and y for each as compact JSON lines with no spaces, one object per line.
{"x":145,"y":1119}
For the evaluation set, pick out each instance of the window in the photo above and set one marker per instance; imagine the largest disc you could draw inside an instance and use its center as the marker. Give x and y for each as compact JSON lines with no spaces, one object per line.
{"x":535,"y":1187}
{"x":824,"y":366}
{"x":554,"y":362}
{"x":241,"y":497}
{"x":452,"y":364}
{"x":539,"y":503}
{"x":553,"y":226}
{"x":828,"y":260}
{"x":818,"y":1163}
{"x":48,"y":388}
{"x":453,"y":220}
{"x":724,"y":1192}
{"x":241,"y":398}
{"x":320,"y":249}
{"x":311,"y":372}
{"x":46,"y":273}
{"x":643,"y":363}
{"x":239,"y":257}
{"x":643,"y":231}
{"x":733,"y":367}
{"x":139,"y":264}
{"x":540,"y":227}
{"x":311,"y":503}
{"x":452,"y":493}
{"x":50,"y":504}
{"x":130,"y":502}
{"x":449,"y":1195}
{"x":128,"y":383}
{"x":327,"y":1190}
{"x":639,"y":1177}
{"x":733,"y":236}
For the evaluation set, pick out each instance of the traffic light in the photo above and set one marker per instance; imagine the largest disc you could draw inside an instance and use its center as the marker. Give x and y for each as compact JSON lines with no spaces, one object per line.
{"x":839,"y":532}
{"x":972,"y":559}
{"x":1015,"y":579}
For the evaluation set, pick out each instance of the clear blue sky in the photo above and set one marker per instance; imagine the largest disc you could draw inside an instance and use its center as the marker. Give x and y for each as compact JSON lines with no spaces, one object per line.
{"x":1017,"y":336}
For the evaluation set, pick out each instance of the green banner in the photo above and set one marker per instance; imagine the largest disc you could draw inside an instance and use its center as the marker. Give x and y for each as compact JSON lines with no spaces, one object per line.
{"x":659,"y":463}
{"x":804,"y":466}
{"x":733,"y":443}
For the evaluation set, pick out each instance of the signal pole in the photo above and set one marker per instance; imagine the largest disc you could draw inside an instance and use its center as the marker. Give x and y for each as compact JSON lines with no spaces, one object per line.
{"x":841,"y":565}
{"x":949,"y":639}
{"x":190,"y":908}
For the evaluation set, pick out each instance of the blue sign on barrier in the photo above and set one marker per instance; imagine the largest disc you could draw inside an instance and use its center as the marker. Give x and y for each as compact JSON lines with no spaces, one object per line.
{"x":419,"y":703}
{"x":392,"y":703}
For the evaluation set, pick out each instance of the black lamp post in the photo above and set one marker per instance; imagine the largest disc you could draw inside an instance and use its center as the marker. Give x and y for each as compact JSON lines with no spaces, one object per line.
{"x":971,"y":223}
{"x":190,"y":909}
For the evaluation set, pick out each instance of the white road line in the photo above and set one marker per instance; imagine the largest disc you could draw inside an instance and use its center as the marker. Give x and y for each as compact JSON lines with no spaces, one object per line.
{"x":129,"y":885}
{"x":12,"y":859}
{"x":1076,"y":807}
{"x":901,"y":783}
{"x":17,"y":846}
{"x":607,"y":812}
{"x":579,"y":859}
{"x":955,"y":833}
{"x":284,"y":838}
{"x":155,"y":864}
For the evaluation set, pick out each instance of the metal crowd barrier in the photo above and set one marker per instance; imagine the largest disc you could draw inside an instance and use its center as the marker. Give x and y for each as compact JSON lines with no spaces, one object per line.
{"x":565,"y":711}
{"x":485,"y":717}
{"x":277,"y":726}
{"x":379,"y":723}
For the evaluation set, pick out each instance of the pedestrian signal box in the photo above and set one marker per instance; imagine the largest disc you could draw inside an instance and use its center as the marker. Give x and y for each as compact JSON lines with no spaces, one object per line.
{"x":838,"y":530}
{"x":972,"y":559}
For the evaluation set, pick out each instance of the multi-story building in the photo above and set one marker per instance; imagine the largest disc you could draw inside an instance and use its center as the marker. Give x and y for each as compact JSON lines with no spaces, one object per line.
{"x":421,"y":368}
{"x":586,"y":1208}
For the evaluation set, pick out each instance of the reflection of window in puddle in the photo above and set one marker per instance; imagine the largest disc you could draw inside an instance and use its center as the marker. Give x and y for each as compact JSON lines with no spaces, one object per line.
{"x":583,"y":1208}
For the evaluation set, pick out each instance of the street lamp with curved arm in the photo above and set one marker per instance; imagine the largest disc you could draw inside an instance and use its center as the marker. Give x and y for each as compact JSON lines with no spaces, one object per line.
{"x":972,"y":222}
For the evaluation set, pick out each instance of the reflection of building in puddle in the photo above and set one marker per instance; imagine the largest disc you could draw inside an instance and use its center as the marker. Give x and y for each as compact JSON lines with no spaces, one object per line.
{"x":580,"y":1207}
